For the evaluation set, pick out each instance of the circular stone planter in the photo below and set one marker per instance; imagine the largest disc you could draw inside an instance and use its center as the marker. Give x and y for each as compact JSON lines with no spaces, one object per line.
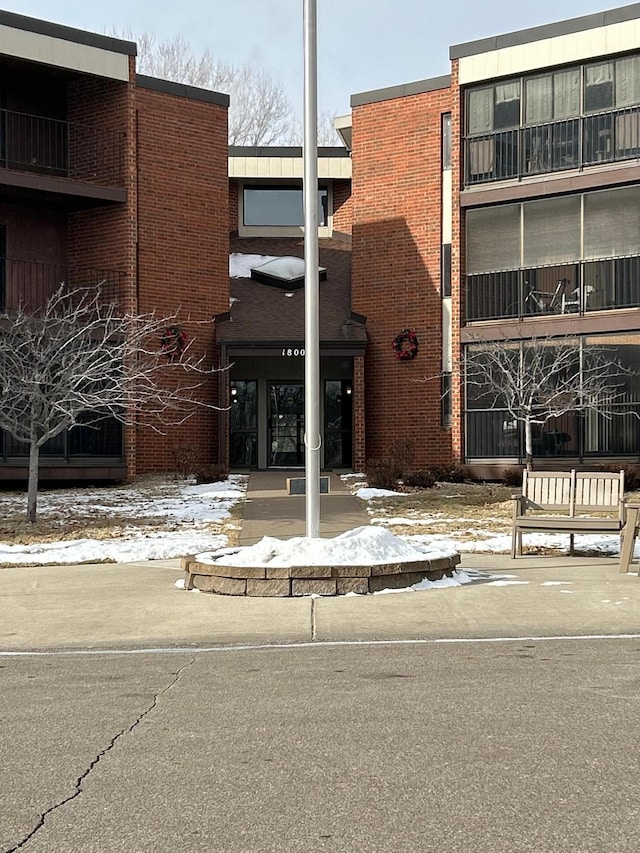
{"x":287,"y":581}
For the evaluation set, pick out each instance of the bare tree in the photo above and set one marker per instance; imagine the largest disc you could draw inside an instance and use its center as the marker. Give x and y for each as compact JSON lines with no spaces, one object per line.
{"x":543,"y":379}
{"x":259,"y":112}
{"x":78,"y":362}
{"x":326,"y":132}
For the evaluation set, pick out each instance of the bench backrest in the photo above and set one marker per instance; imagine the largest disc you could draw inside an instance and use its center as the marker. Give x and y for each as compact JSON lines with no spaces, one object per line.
{"x":549,"y":490}
{"x":574,"y":492}
{"x":599,"y":491}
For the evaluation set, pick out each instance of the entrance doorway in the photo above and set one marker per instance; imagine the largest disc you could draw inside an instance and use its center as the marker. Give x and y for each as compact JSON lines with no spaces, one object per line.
{"x":286,"y":425}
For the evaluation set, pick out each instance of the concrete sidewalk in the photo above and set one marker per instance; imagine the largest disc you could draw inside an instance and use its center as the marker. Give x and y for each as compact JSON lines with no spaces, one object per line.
{"x":270,"y":510}
{"x":138,"y":605}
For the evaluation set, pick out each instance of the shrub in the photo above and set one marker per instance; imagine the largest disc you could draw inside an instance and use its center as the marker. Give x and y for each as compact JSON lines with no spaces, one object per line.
{"x":449,"y":473}
{"x":512,"y":477}
{"x":186,"y":459}
{"x":402,"y":455}
{"x":422,"y":478}
{"x":215,"y":473}
{"x":381,"y":473}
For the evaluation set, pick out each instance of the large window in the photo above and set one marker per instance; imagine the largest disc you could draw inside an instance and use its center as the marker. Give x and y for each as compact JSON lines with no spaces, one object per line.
{"x":552,"y":121}
{"x":271,"y":206}
{"x":611,"y":428}
{"x":570,"y":254}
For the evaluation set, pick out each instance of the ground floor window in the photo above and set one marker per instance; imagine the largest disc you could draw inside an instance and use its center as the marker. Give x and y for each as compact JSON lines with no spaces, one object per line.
{"x":612,"y":430}
{"x":102,"y":440}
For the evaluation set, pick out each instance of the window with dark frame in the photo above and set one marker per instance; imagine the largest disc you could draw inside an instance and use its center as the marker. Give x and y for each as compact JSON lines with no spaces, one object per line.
{"x":3,"y":265}
{"x":445,"y":400}
{"x":446,"y":141}
{"x":553,"y":120}
{"x":280,"y":206}
{"x":445,"y":270}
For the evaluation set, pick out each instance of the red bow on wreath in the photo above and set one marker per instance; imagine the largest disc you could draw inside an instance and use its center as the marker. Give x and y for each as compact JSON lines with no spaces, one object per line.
{"x":405,"y":345}
{"x":173,"y":340}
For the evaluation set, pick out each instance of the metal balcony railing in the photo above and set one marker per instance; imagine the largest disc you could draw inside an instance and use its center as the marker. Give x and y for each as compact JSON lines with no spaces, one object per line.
{"x":62,"y":149}
{"x":575,"y":288}
{"x":30,"y":283}
{"x":569,"y":144}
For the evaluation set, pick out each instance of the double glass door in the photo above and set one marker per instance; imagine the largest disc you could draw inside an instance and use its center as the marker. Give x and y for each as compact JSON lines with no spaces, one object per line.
{"x":286,"y":425}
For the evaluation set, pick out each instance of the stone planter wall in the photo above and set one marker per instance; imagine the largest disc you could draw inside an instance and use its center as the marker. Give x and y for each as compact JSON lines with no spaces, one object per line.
{"x":312,"y":580}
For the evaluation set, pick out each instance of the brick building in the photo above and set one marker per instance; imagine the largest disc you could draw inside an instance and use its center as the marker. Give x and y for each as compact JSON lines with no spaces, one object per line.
{"x":500,"y":202}
{"x":112,"y":179}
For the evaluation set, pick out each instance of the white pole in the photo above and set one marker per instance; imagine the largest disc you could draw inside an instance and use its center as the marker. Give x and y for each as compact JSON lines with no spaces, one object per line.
{"x":312,"y":435}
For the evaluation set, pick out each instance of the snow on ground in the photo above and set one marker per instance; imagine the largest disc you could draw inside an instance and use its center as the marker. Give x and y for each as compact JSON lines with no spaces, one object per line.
{"x":186,"y":517}
{"x":363,"y":546}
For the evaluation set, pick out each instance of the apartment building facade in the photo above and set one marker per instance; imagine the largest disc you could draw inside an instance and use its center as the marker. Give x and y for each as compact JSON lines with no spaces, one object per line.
{"x":501,"y":203}
{"x":498,"y":203}
{"x":112,"y":180}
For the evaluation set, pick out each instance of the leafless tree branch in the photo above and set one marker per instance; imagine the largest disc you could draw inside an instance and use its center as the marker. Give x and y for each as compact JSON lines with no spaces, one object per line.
{"x":78,"y":361}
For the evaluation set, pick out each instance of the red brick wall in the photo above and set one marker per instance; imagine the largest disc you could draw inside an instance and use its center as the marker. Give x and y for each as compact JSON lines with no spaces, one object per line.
{"x":397,"y":186}
{"x":105,"y":237}
{"x":342,"y":207}
{"x":233,"y":207}
{"x":183,"y":243}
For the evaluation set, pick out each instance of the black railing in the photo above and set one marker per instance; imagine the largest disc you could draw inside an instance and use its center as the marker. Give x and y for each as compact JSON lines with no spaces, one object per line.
{"x":30,"y":283}
{"x":491,"y":433}
{"x":569,"y":144}
{"x":576,"y":288}
{"x":61,"y":149}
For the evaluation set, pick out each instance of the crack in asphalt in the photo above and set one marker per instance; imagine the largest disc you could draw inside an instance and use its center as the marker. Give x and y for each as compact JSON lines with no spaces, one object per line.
{"x":79,"y":781}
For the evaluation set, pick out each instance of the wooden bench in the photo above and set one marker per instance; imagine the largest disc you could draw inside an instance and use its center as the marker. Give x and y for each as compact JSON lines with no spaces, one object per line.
{"x":568,"y":502}
{"x":629,"y":536}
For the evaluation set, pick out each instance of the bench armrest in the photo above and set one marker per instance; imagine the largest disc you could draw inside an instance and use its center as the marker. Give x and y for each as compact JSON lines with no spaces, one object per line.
{"x":519,"y":504}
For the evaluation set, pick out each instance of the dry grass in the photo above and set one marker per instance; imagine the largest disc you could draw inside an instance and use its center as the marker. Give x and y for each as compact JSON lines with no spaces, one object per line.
{"x":478,"y":508}
{"x":448,"y":505}
{"x":100,"y":513}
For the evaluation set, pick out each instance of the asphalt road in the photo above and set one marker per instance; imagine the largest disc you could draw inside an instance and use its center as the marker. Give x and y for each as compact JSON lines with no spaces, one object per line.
{"x":479,"y":747}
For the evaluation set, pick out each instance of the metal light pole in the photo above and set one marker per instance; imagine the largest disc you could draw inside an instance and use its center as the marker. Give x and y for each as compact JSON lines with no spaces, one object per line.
{"x":312,"y":435}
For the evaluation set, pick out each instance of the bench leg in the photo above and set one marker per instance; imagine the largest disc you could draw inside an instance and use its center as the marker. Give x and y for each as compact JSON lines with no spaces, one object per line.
{"x":188,"y":581}
{"x":516,"y":544}
{"x":629,"y":533}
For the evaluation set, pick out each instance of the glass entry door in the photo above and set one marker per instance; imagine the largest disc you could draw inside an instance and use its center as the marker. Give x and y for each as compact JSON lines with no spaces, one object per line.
{"x":286,"y":425}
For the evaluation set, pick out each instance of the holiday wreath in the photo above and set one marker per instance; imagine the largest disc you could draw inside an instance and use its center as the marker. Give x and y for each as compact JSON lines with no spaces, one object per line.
{"x":405,"y":345}
{"x":173,"y":341}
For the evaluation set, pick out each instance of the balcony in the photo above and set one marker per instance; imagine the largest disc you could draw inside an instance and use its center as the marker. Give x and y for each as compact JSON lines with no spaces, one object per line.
{"x":30,"y":283}
{"x":61,"y":149}
{"x":576,"y":288}
{"x":574,"y":143}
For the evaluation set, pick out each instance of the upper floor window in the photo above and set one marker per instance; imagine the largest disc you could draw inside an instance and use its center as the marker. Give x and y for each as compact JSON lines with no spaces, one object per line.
{"x":280,"y":206}
{"x":552,"y":96}
{"x":446,"y":141}
{"x":552,"y":121}
{"x":612,"y":84}
{"x":494,"y":107}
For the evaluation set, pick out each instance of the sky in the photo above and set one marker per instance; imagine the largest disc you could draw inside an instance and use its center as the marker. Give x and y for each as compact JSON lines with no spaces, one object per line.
{"x":362,"y":45}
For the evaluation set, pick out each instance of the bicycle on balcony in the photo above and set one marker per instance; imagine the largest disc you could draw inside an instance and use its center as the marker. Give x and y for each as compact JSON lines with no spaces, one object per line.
{"x":545,"y":302}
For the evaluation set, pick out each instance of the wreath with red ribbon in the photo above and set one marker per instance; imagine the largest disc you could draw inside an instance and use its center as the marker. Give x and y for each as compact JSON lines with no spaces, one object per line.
{"x":405,"y":345}
{"x":173,"y":341}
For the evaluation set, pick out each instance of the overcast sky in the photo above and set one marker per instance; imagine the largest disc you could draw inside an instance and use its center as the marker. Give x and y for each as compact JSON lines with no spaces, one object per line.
{"x":362,"y":44}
